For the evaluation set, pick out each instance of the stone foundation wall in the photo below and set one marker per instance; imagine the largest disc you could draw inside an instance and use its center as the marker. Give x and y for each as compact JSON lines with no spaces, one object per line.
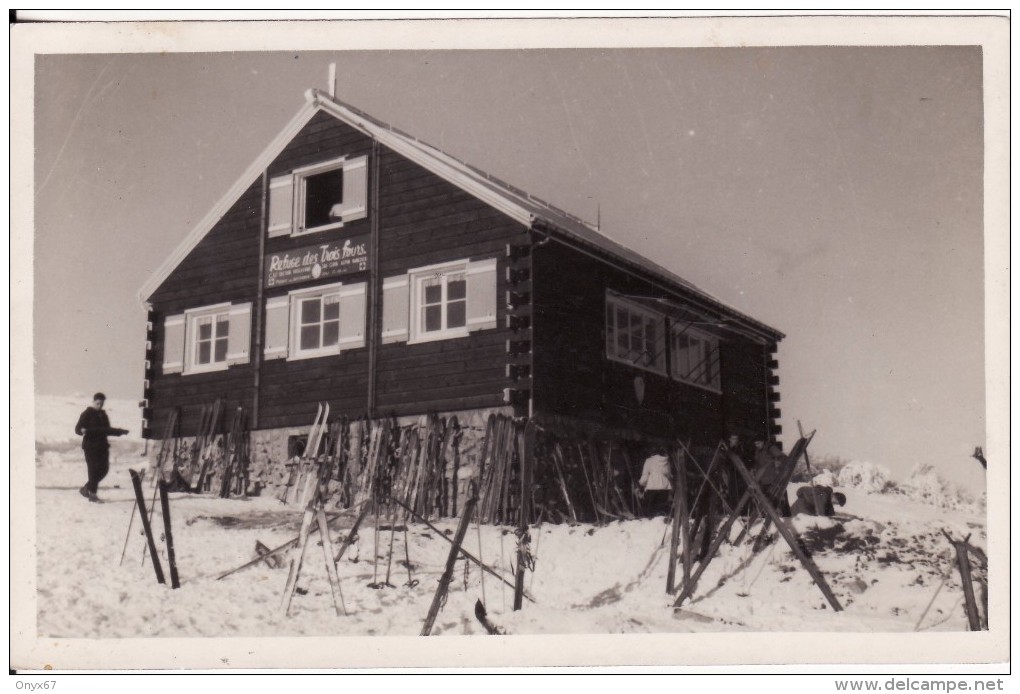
{"x":269,"y":473}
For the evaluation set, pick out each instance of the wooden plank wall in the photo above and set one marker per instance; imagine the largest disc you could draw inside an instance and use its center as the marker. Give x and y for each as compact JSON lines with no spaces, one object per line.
{"x":422,"y":220}
{"x":574,"y":378}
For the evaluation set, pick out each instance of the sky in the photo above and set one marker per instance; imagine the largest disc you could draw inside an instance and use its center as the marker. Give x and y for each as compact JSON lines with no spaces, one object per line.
{"x":834,"y":193}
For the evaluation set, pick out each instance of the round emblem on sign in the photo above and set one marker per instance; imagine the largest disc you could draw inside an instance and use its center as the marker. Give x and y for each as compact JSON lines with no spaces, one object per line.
{"x":316,"y":271}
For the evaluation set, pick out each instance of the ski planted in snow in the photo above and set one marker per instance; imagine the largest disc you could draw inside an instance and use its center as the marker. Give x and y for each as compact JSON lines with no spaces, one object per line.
{"x":136,"y":481}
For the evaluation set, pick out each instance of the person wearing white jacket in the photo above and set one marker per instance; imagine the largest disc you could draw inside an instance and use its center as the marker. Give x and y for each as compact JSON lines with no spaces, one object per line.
{"x":657,"y":484}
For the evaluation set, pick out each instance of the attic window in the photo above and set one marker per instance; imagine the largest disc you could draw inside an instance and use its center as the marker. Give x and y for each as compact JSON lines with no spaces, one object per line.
{"x":315,"y":198}
{"x":323,"y":199}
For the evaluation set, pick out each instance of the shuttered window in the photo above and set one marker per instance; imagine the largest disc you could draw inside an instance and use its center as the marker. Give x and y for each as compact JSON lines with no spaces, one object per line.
{"x":316,"y":322}
{"x":442,"y":301}
{"x":209,"y":338}
{"x":319,"y":197}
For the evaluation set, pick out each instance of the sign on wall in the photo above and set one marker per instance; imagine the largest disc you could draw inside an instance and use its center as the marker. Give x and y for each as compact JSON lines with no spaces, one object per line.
{"x":329,"y":259}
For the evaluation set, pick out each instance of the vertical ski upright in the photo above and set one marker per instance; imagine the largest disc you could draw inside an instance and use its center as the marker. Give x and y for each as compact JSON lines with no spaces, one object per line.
{"x":527,"y":458}
{"x":164,"y":501}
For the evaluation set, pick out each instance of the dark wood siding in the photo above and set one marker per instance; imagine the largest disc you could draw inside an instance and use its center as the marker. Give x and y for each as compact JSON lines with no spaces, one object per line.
{"x":424,"y":220}
{"x":573,"y":377}
{"x":223,"y":267}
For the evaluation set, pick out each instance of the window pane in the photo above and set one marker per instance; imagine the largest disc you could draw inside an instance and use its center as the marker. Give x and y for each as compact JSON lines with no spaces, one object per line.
{"x":309,"y":337}
{"x":203,"y":352}
{"x":222,"y":325}
{"x":456,"y":314}
{"x":310,"y":311}
{"x":331,"y":310}
{"x":456,"y":288}
{"x":221,"y":349}
{"x":432,"y":318}
{"x":322,"y":192}
{"x":433,"y":293}
{"x":330,"y":333}
{"x":204,"y":329}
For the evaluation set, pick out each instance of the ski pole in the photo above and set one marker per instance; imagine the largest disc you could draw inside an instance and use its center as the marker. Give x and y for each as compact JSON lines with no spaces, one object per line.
{"x":131,"y":521}
{"x":478,"y":526}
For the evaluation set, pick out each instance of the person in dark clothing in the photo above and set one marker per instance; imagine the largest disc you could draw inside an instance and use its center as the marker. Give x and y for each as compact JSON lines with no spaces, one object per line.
{"x":817,"y":500}
{"x":94,"y":428}
{"x":769,"y":462}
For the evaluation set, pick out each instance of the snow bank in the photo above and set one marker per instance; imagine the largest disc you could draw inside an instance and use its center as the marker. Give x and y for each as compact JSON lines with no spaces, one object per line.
{"x":868,"y":477}
{"x":927,"y":486}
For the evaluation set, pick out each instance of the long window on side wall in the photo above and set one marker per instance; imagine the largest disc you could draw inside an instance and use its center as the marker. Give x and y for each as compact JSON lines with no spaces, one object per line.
{"x":635,"y":335}
{"x":694,"y":357}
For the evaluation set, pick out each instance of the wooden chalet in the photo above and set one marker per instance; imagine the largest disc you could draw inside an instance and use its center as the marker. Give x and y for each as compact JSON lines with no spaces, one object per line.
{"x":355,"y":265}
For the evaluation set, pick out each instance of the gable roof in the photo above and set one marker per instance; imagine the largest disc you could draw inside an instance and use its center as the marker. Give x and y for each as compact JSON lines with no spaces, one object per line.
{"x":515,"y":203}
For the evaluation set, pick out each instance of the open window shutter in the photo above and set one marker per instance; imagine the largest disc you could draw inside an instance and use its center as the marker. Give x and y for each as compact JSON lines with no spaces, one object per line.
{"x":394,"y":309}
{"x":239,"y":337}
{"x":281,"y":205}
{"x":355,"y":194}
{"x":173,"y":344}
{"x":277,"y":327}
{"x":481,"y":294}
{"x":352,"y":316}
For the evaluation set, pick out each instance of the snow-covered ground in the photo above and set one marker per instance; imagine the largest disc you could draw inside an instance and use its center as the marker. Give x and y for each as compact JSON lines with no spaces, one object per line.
{"x":884,"y":556}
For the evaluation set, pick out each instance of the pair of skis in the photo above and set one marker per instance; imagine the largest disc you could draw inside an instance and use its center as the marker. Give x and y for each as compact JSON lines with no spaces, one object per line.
{"x":164,"y":499}
{"x":203,"y":446}
{"x":300,"y":469}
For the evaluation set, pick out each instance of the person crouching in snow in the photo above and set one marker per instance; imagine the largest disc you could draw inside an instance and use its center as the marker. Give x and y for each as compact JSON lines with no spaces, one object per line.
{"x":94,"y":426}
{"x":817,"y":500}
{"x":656,"y":484}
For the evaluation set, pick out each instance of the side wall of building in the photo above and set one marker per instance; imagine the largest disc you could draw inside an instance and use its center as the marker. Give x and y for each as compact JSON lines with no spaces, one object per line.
{"x":574,"y":378}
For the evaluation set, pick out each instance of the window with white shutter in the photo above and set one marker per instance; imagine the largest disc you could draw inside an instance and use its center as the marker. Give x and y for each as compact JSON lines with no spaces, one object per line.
{"x":319,"y":197}
{"x":316,"y":322}
{"x":208,"y":338}
{"x":448,"y":300}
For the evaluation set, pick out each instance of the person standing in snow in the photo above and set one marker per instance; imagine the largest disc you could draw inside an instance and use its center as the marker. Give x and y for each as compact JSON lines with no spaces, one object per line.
{"x":768,"y":468}
{"x":656,"y":484}
{"x":94,"y":428}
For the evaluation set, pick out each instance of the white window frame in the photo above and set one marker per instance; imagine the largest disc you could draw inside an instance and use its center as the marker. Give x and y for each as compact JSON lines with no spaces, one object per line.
{"x":296,"y":297}
{"x":712,"y":341}
{"x":615,"y":302}
{"x":301,"y":194}
{"x":416,"y":278}
{"x":191,"y":318}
